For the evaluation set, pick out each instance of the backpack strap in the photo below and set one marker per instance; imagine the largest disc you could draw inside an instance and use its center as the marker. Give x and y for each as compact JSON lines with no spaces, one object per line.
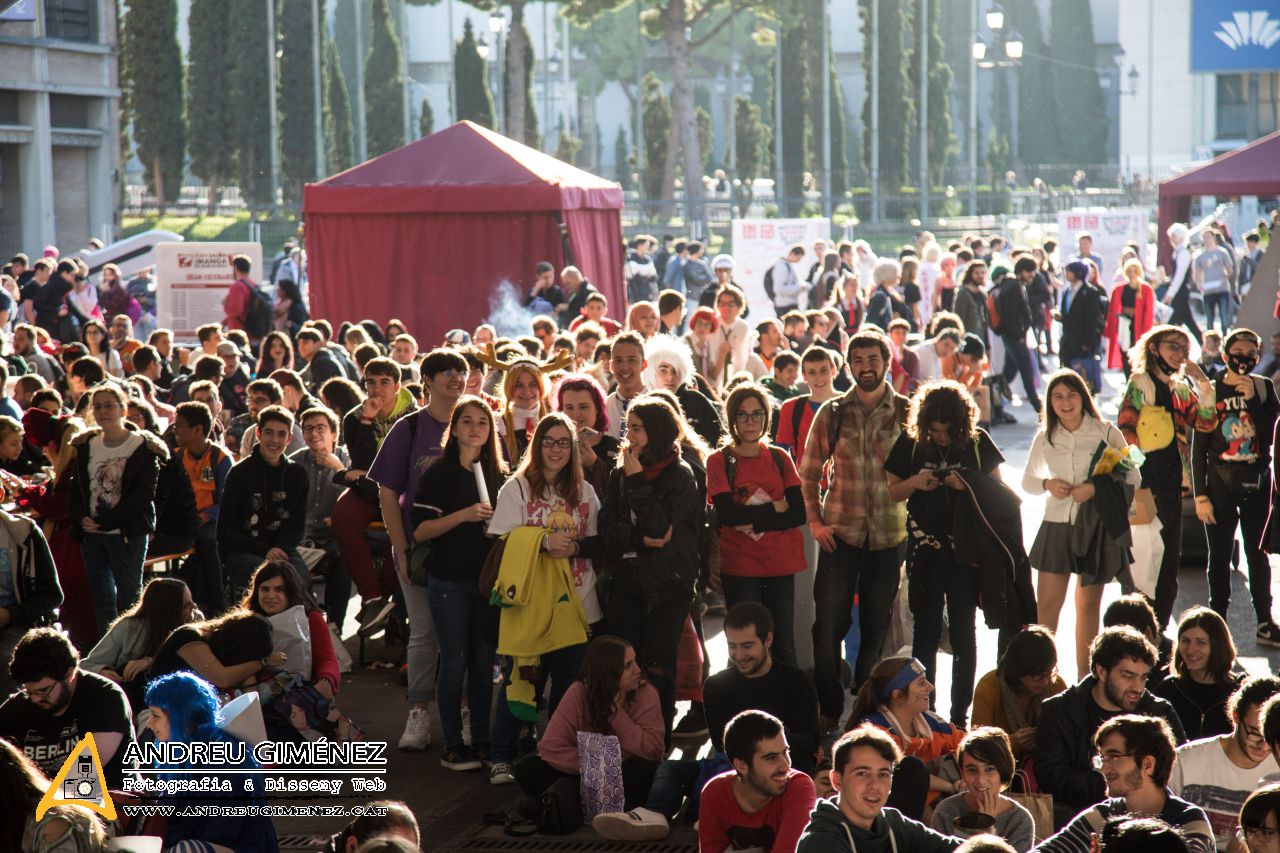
{"x":797,"y":416}
{"x":833,"y":428}
{"x":780,"y":462}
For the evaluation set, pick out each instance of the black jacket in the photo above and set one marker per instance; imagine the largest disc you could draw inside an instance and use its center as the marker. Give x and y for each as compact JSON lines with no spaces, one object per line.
{"x":176,"y":512}
{"x":1064,"y":742}
{"x":35,"y":580}
{"x":702,"y":414}
{"x":135,"y":514}
{"x":1014,"y":308}
{"x":361,"y":440}
{"x":263,"y":506}
{"x":1083,"y":323}
{"x":634,"y":508}
{"x":987,"y":532}
{"x":576,"y":303}
{"x":320,"y":369}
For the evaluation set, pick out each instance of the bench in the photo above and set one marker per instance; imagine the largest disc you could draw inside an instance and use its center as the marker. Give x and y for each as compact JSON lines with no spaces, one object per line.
{"x":164,"y":563}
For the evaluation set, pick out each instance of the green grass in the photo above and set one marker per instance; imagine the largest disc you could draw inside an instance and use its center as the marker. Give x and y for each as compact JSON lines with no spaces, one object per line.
{"x":205,"y":228}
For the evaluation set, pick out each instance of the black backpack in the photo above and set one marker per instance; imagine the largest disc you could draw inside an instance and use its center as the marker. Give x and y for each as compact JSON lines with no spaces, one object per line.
{"x":768,"y":283}
{"x":259,"y":319}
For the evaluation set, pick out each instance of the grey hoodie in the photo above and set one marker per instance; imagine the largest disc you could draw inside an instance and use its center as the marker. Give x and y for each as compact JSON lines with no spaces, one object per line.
{"x":830,"y":832}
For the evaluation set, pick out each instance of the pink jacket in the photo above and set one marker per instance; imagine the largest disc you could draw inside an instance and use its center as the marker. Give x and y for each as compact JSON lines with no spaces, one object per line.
{"x":638,"y":727}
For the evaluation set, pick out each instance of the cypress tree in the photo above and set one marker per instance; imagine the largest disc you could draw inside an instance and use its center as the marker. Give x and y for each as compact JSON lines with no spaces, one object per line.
{"x":839,"y":160}
{"x":706,"y":137}
{"x":750,"y":140}
{"x":475,"y":100}
{"x":427,"y":119}
{"x":1077,"y":88}
{"x":383,"y":85}
{"x":621,"y":158}
{"x":151,"y":63}
{"x":897,"y":103}
{"x":296,"y":98}
{"x":532,"y":136}
{"x":942,"y":144}
{"x":250,"y":52}
{"x":209,"y":114}
{"x":339,"y":134}
{"x":1038,"y":137}
{"x":568,"y":146}
{"x":657,"y":129}
{"x":797,"y":132}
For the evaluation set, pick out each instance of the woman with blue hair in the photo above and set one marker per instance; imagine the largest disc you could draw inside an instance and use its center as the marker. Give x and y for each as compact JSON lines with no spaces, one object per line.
{"x":184,"y":709}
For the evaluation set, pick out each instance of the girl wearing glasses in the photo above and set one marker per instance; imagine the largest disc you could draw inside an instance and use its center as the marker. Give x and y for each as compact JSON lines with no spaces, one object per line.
{"x":1168,"y":396}
{"x":548,"y":491}
{"x":1009,"y":696}
{"x":1260,"y":820}
{"x":756,"y":492}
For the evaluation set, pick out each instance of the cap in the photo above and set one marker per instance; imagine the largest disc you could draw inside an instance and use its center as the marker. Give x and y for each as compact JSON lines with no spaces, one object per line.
{"x":722,"y":262}
{"x":457,"y":337}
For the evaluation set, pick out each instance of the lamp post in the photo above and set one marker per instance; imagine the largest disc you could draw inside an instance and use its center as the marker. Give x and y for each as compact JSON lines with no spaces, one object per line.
{"x":498,"y":23}
{"x":987,"y":56}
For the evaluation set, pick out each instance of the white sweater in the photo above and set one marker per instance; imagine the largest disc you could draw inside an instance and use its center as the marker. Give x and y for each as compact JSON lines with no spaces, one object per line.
{"x":1067,"y":458}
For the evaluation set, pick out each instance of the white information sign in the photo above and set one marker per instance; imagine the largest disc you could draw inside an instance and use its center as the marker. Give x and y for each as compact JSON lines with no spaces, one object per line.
{"x":759,"y":243}
{"x":193,"y":278}
{"x":1111,"y":230}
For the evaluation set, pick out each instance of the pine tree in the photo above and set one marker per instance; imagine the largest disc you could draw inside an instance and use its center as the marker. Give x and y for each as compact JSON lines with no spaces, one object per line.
{"x":657,"y":129}
{"x":250,"y":53}
{"x":706,"y":137}
{"x":1077,"y":87}
{"x":151,"y":68}
{"x":383,"y":85}
{"x":750,"y":141}
{"x":296,"y":98}
{"x":209,"y":114}
{"x":897,"y":103}
{"x":532,"y":136}
{"x":942,"y":144}
{"x":339,"y":135}
{"x":427,"y":119}
{"x":839,"y":160}
{"x":1039,"y":141}
{"x":475,"y":100}
{"x":797,"y":133}
{"x":621,"y":158}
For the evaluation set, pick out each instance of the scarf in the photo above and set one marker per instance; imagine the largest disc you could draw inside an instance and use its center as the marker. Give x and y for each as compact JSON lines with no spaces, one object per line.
{"x":651,"y":472}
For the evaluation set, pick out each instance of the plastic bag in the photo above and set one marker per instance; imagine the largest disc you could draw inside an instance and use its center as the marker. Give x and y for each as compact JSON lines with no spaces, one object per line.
{"x":291,"y":634}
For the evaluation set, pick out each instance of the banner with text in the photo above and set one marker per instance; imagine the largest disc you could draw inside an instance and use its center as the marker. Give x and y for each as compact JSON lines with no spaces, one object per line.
{"x":193,"y":278}
{"x":1111,"y":230}
{"x":759,"y":243}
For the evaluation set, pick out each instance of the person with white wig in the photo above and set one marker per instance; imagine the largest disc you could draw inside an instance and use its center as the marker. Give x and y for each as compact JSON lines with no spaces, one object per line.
{"x":1178,"y":294}
{"x":669,"y":366}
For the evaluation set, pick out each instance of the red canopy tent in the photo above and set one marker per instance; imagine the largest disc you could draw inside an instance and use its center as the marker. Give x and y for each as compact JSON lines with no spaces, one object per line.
{"x":1251,"y":170}
{"x":427,"y":233}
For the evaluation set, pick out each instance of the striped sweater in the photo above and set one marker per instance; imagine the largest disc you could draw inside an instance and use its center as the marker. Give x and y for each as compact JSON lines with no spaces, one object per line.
{"x":1178,"y":813}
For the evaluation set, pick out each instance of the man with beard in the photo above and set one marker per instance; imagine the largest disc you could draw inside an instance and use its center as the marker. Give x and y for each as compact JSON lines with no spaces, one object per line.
{"x":1219,"y":773}
{"x":755,"y":681}
{"x":1120,"y":661}
{"x":1136,"y":756}
{"x":626,"y":363}
{"x":763,"y":802}
{"x":860,"y":529}
{"x":59,"y":703}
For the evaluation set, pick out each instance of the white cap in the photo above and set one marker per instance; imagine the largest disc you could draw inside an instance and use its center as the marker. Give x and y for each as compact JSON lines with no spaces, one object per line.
{"x":722,"y":262}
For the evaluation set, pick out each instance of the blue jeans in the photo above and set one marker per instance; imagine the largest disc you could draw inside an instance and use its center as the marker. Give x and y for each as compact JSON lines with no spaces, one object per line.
{"x":1218,"y":303}
{"x":458,"y":611}
{"x":114,"y":566}
{"x":562,"y":666}
{"x":1017,"y":360}
{"x":678,"y":778}
{"x":778,"y":595}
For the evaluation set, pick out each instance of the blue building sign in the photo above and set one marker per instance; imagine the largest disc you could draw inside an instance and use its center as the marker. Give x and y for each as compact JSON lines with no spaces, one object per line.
{"x":17,"y":10}
{"x":1235,"y":36}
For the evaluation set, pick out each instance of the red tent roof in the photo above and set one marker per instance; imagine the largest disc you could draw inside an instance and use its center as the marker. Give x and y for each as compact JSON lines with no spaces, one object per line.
{"x":1251,"y":170}
{"x":462,"y":169}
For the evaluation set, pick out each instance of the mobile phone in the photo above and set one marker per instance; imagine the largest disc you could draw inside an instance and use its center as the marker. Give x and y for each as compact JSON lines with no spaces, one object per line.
{"x":587,"y":433}
{"x":939,"y":474}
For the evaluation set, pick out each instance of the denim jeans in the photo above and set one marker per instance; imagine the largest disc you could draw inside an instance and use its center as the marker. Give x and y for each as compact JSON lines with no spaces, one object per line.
{"x":422,"y":654}
{"x":934,"y":579}
{"x":114,"y":565}
{"x":1017,"y":360}
{"x":457,"y":610}
{"x":871,"y":575}
{"x":677,"y":779}
{"x":1218,"y":303}
{"x":1249,"y":511}
{"x":778,"y":595}
{"x":562,"y":666}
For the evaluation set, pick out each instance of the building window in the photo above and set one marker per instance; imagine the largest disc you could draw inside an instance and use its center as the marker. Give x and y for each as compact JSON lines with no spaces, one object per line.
{"x":73,"y":20}
{"x":1248,"y":105}
{"x":8,"y":106}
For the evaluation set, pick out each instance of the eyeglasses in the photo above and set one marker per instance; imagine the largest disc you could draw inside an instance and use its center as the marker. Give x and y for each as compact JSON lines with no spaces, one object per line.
{"x":1262,"y":834}
{"x":562,"y":443}
{"x":320,"y":427}
{"x":1253,"y":736}
{"x":1103,"y":759}
{"x":749,"y":417}
{"x":452,"y":375}
{"x":1175,"y":346}
{"x":259,"y":400}
{"x":1044,"y":676}
{"x":42,"y":693}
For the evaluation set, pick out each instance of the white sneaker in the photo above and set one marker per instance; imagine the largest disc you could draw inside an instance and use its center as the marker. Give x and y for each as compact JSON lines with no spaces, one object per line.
{"x":417,"y":730}
{"x":635,"y":825}
{"x":501,"y":774}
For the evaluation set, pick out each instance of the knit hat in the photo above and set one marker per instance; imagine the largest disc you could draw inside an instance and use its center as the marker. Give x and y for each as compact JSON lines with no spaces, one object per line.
{"x":37,"y":425}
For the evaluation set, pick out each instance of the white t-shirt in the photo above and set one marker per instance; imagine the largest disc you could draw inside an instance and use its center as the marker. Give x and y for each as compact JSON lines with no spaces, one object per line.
{"x":106,"y":472}
{"x":1205,"y":776}
{"x":930,"y":364}
{"x":517,"y":507}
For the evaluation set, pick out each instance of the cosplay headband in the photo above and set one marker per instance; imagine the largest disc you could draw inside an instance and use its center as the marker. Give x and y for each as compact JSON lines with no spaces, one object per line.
{"x":911,"y":670}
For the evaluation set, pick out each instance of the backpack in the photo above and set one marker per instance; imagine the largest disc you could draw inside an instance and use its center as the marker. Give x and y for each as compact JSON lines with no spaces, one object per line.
{"x":731,"y":465}
{"x":768,"y":283}
{"x":993,"y":308}
{"x":259,"y":319}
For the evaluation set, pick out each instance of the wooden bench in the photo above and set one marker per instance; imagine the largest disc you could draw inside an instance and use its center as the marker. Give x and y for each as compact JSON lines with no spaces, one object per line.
{"x":163,"y":564}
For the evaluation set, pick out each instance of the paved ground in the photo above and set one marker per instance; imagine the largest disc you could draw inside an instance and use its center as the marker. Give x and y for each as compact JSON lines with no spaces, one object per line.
{"x":450,"y":804}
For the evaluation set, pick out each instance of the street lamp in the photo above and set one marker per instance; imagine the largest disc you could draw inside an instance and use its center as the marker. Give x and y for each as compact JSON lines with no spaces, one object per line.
{"x":1133,"y":80}
{"x":498,"y":23}
{"x":482,"y":48}
{"x":980,"y":51}
{"x":995,"y":18}
{"x":1013,"y":47}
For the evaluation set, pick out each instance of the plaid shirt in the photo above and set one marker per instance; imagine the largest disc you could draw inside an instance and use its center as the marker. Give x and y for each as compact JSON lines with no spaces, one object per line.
{"x":857,"y":504}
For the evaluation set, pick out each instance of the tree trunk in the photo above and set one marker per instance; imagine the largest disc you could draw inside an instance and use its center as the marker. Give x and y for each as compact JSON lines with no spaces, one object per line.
{"x":215,"y":190}
{"x":684,"y":119}
{"x":158,"y":176}
{"x":515,"y":94}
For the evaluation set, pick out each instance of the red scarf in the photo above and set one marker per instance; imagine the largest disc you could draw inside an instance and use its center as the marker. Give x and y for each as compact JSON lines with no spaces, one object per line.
{"x":651,"y":472}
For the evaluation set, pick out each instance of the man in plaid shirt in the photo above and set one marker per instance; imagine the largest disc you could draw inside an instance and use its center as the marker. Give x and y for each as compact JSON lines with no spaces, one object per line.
{"x":861,"y":530}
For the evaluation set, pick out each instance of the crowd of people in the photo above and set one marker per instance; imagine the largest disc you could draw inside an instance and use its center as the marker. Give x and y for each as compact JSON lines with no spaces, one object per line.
{"x":567,"y":506}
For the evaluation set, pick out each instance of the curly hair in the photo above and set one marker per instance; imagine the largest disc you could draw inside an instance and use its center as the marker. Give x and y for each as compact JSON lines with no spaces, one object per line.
{"x":943,"y":401}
